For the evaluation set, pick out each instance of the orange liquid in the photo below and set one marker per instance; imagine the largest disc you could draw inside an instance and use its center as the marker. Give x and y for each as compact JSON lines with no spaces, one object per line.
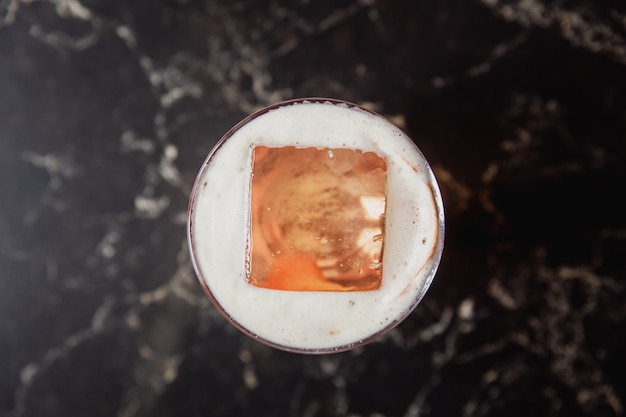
{"x":317,"y":219}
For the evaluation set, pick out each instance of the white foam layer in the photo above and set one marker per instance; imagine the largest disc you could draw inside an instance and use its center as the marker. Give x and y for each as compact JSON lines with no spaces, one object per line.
{"x":316,"y":321}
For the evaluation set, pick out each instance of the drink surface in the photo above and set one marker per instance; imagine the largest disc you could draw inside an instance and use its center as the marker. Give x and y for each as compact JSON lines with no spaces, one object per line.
{"x":314,"y":321}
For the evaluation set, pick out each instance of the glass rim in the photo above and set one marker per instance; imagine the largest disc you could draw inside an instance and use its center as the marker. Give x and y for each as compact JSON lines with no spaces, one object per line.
{"x":433,"y":260}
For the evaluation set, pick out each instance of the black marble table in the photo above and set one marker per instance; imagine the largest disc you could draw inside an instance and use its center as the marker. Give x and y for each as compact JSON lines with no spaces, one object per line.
{"x":108,"y":108}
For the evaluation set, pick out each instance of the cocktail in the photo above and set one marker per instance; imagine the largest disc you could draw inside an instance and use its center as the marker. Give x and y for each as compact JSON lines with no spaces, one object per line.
{"x":315,"y":225}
